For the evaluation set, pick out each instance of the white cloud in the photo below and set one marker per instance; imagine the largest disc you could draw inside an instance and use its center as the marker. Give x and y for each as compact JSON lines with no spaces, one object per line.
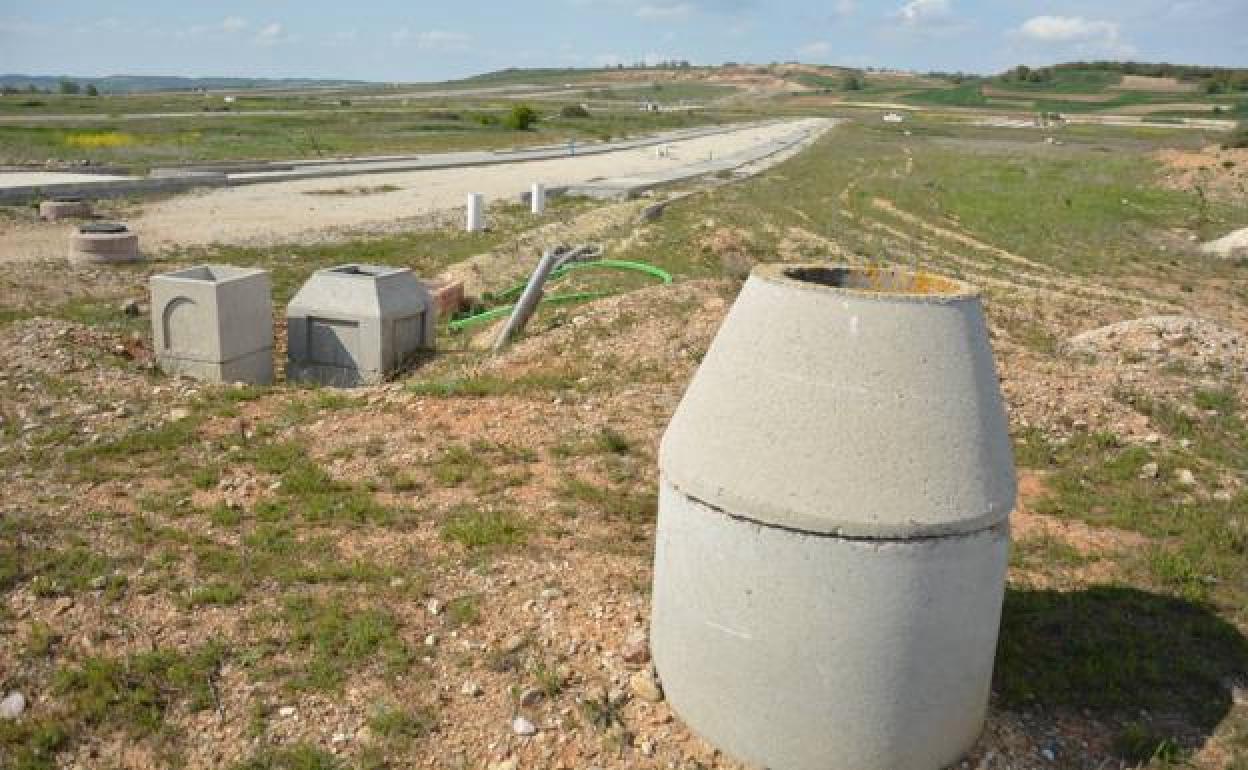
{"x":1065,"y":29}
{"x":233,"y":24}
{"x":1090,"y":35}
{"x":665,"y":11}
{"x":844,"y":8}
{"x":815,"y":49}
{"x":271,"y":34}
{"x":917,"y":12}
{"x":431,"y":40}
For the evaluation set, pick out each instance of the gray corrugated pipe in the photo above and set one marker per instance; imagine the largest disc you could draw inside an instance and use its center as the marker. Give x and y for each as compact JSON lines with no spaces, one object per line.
{"x":832,"y":541}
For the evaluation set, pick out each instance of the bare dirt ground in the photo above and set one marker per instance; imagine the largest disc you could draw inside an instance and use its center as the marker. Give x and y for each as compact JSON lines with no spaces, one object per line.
{"x":1218,"y":171}
{"x":308,"y":209}
{"x":1151,"y":83}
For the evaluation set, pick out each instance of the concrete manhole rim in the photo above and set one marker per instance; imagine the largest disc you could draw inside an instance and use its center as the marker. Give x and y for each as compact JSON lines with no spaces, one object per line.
{"x":103,"y":228}
{"x":877,"y":283}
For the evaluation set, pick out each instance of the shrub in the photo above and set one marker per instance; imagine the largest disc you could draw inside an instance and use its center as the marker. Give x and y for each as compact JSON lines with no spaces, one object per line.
{"x":521,"y":118}
{"x":574,"y":111}
{"x":1239,"y":137}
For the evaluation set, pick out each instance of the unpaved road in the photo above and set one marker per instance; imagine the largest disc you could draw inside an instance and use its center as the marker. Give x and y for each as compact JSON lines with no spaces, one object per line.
{"x":283,"y":212}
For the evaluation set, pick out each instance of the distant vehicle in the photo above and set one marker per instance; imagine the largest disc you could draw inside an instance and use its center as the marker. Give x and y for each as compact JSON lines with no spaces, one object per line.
{"x":893,"y":117}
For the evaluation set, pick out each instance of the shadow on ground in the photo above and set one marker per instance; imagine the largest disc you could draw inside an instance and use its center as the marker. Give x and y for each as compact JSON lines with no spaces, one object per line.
{"x":1111,"y":651}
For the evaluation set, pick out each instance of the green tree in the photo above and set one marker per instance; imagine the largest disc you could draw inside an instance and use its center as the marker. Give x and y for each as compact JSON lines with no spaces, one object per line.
{"x":69,"y":87}
{"x":92,"y":90}
{"x":521,"y":118}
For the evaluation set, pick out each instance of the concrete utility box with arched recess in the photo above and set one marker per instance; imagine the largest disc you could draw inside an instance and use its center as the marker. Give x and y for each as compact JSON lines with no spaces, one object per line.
{"x":834,"y":499}
{"x":214,"y":323}
{"x":356,"y":324}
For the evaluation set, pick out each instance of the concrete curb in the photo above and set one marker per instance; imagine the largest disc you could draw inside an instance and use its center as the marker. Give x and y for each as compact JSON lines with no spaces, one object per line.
{"x":110,"y":189}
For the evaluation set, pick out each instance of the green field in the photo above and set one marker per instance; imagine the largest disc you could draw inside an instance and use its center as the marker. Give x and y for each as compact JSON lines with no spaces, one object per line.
{"x":143,"y":143}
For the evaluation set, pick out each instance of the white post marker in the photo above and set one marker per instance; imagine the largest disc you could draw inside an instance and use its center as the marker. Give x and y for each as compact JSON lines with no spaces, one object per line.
{"x":476,"y":213}
{"x":537,"y":198}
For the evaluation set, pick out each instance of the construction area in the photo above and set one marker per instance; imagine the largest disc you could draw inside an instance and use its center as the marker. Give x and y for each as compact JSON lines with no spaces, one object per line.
{"x":665,"y":445}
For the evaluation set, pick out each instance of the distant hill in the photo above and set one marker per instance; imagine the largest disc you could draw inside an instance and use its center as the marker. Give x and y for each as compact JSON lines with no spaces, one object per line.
{"x":140,"y":83}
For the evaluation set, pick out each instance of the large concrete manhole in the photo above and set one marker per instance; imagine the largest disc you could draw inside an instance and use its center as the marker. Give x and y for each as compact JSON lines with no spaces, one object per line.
{"x":103,"y":243}
{"x":834,"y":496}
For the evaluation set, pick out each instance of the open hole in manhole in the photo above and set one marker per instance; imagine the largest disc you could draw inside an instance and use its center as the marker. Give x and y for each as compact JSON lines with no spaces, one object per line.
{"x":875,"y":279}
{"x":102,"y":228}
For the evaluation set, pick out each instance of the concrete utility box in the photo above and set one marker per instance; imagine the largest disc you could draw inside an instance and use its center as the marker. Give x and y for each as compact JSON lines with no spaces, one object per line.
{"x":834,"y":499}
{"x":356,"y":324}
{"x":103,"y":243}
{"x":65,"y":207}
{"x":214,"y":323}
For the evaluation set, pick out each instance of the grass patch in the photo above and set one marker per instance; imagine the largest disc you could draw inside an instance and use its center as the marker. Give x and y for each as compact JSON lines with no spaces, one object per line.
{"x":400,"y":727}
{"x":337,"y":638}
{"x":1205,"y":542}
{"x":611,"y":501}
{"x":489,"y":385}
{"x":474,"y":528}
{"x":301,"y":756}
{"x":464,"y":610}
{"x":309,"y":492}
{"x":134,"y":695}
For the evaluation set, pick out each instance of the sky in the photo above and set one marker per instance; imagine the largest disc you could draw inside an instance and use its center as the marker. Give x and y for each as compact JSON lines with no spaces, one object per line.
{"x":393,"y":40}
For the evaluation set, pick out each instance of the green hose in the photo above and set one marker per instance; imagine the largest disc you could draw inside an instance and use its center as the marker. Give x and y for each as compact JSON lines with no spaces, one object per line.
{"x":613,"y":264}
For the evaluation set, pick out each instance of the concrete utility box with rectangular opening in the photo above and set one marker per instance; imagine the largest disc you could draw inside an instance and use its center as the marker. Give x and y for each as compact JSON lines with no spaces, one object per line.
{"x":356,"y":324}
{"x":214,"y":323}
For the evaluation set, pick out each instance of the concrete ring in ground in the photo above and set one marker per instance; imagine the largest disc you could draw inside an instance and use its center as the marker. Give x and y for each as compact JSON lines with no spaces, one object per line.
{"x":103,"y":244}
{"x":63,"y":208}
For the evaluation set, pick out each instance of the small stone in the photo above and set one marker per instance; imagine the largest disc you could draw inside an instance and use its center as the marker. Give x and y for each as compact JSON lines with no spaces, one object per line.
{"x":1149,"y":471}
{"x":340,"y":738}
{"x":1185,"y":477}
{"x":434,"y":607}
{"x":12,"y":706}
{"x":551,"y":593}
{"x":531,"y":697}
{"x":522,"y":726}
{"x":397,"y":582}
{"x":471,"y":689}
{"x":1152,"y":438}
{"x":431,"y":640}
{"x":1048,"y":754}
{"x":98,"y":582}
{"x":180,"y":413}
{"x":510,"y":763}
{"x":636,"y":648}
{"x":1223,"y":496}
{"x":286,"y":711}
{"x":645,"y":686}
{"x":514,"y":644}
